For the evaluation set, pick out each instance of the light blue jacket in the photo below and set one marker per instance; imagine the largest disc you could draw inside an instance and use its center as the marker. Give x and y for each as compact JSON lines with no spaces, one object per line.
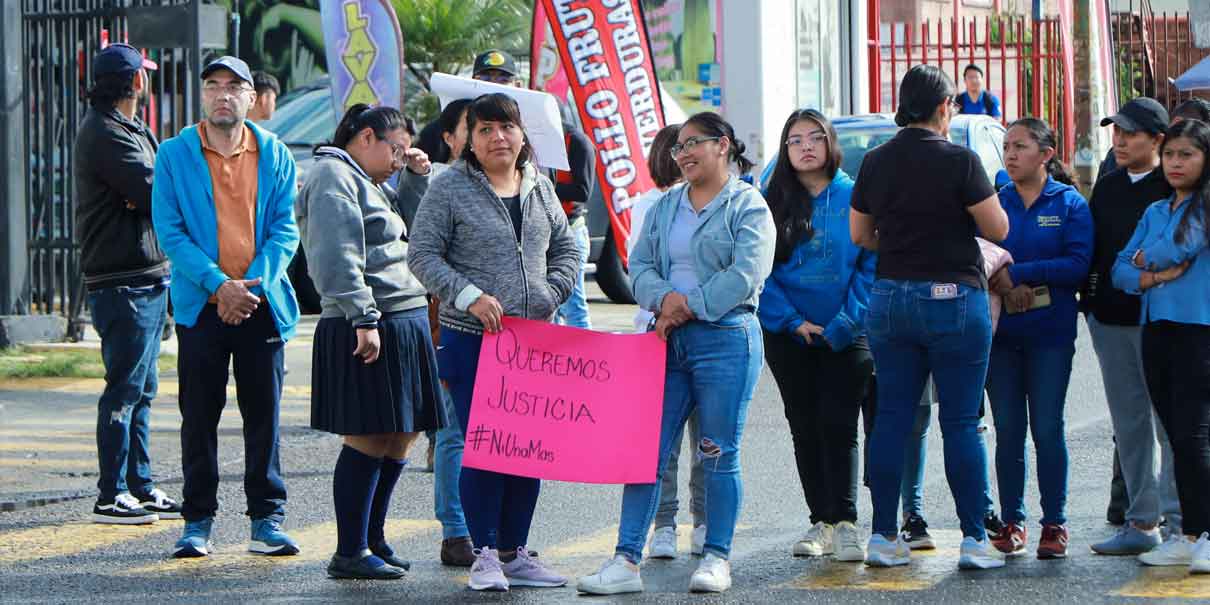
{"x":827,"y":278}
{"x":1185,"y":299}
{"x":732,"y":250}
{"x":182,"y":210}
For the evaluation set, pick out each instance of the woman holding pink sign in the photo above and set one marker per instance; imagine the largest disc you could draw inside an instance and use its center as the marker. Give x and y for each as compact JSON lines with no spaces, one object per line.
{"x":490,"y":239}
{"x":705,"y":249}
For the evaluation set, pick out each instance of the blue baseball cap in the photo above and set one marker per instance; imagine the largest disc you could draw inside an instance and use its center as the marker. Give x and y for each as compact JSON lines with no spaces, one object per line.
{"x":119,"y":58}
{"x":233,"y":64}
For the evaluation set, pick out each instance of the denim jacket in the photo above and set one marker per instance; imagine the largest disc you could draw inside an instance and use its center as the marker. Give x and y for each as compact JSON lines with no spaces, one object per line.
{"x":827,"y":278}
{"x":732,"y":248}
{"x":1185,"y":299}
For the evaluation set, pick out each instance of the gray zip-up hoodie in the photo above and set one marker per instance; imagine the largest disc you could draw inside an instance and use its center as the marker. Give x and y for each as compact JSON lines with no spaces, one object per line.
{"x":354,"y":240}
{"x":463,"y":244}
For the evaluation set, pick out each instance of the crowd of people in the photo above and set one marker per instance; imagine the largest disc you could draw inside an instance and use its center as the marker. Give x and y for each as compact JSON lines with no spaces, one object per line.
{"x":913,"y":284}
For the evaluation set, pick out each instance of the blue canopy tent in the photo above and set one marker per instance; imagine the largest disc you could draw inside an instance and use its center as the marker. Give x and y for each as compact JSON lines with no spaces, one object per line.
{"x":1197,"y":77}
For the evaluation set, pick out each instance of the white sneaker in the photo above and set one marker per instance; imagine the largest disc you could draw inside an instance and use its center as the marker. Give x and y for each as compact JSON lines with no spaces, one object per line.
{"x":616,"y":576}
{"x":486,"y":572}
{"x":697,"y":540}
{"x":817,"y":542}
{"x":847,"y":543}
{"x":662,"y":544}
{"x":1201,"y":555}
{"x":979,"y":555}
{"x":528,"y":571}
{"x":1176,"y":550}
{"x":712,"y":575}
{"x":883,"y":553}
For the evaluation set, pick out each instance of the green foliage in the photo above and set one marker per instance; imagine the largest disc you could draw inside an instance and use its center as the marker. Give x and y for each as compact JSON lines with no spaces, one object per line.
{"x":445,"y":35}
{"x":40,"y":362}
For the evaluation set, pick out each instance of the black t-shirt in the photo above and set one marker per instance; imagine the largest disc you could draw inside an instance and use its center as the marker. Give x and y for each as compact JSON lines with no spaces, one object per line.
{"x":514,"y":212}
{"x":918,"y":186}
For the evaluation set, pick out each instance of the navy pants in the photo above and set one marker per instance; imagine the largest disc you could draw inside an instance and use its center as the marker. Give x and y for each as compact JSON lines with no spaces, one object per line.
{"x":206,"y":349}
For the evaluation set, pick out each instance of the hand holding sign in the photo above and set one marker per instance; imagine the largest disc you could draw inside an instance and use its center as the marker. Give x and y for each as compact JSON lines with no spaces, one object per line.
{"x":567,"y":404}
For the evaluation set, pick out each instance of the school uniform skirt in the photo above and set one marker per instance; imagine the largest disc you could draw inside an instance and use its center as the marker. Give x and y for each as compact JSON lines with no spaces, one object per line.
{"x":398,"y":393}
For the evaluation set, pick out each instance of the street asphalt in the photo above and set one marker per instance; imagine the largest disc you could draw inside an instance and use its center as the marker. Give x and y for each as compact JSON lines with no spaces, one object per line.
{"x":52,"y":553}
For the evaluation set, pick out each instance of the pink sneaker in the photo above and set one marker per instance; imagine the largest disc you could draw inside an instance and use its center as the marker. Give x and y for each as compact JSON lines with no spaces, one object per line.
{"x":486,"y":573}
{"x":528,"y":571}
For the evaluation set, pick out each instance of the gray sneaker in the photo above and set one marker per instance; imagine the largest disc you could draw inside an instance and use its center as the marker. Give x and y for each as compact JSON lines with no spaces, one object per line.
{"x":1129,"y":540}
{"x":528,"y":571}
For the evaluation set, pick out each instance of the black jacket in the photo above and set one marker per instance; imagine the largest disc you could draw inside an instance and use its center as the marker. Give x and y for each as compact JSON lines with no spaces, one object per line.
{"x":574,"y":186}
{"x":1117,"y":205}
{"x":114,"y":164}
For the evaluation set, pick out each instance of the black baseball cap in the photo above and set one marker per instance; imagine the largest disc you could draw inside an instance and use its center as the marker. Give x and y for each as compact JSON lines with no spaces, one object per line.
{"x":497,"y":60}
{"x":1142,"y":113}
{"x":119,"y":58}
{"x":233,"y":64}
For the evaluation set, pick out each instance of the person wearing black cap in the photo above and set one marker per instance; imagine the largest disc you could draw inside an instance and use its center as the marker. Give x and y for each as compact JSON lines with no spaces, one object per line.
{"x":126,"y":275}
{"x":223,"y":207}
{"x":494,"y":66}
{"x":1118,"y":201}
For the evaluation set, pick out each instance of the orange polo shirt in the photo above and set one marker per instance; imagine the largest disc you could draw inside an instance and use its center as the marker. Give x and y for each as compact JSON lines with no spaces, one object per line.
{"x":233,"y":180}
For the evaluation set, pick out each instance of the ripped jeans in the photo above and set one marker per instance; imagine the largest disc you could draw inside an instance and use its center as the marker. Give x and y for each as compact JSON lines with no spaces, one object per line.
{"x":712,"y":368}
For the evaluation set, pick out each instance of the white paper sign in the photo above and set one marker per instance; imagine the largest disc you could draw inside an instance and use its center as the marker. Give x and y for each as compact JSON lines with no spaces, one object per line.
{"x":539,"y":114}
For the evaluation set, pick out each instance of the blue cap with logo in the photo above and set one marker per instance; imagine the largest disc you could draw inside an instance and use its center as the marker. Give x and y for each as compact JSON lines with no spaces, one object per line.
{"x":119,"y":58}
{"x":233,"y":64}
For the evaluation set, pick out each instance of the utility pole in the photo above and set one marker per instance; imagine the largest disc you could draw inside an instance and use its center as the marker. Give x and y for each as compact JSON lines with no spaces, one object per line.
{"x":1093,"y":92}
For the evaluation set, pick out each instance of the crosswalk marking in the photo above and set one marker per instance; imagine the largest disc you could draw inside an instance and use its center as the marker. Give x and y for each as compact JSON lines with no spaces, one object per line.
{"x":73,"y":538}
{"x":316,"y":543}
{"x":1166,"y":583}
{"x":928,"y":567}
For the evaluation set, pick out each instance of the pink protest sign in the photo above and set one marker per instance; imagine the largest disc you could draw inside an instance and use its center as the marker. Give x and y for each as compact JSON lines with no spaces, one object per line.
{"x":561,"y":403}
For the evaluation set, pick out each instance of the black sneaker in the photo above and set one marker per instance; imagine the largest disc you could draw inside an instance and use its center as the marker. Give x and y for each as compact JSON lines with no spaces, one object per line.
{"x":156,"y":501}
{"x":915,"y":532}
{"x":992,"y":524}
{"x":124,"y":509}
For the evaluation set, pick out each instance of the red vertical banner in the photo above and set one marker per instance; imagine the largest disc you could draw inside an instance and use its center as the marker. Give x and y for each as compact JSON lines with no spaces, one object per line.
{"x":604,"y":51}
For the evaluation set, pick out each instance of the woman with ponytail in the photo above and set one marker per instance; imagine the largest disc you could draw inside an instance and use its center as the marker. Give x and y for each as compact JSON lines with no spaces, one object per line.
{"x":701,"y":259}
{"x":1167,"y":261}
{"x":1050,"y":238}
{"x":378,"y":386}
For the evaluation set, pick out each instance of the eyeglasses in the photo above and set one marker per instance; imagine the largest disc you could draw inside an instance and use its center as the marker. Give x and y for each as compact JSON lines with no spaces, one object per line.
{"x":811,"y":140}
{"x":688,"y":145}
{"x":398,"y":152}
{"x":956,"y":106}
{"x":213,"y":88}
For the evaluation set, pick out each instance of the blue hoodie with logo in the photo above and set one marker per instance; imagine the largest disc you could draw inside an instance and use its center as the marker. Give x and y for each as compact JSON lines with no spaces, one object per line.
{"x":1051,"y":243}
{"x":827,"y":278}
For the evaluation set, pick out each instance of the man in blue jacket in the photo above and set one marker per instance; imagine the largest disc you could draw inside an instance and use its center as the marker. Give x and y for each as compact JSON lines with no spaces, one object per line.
{"x":222,"y":205}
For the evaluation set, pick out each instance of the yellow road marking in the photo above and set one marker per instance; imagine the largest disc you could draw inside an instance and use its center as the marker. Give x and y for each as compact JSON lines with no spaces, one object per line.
{"x":1166,"y":583}
{"x":73,"y":538}
{"x":45,"y":446}
{"x":168,"y":387}
{"x":927,"y":568}
{"x":7,"y":433}
{"x":58,"y":464}
{"x":315,"y":542}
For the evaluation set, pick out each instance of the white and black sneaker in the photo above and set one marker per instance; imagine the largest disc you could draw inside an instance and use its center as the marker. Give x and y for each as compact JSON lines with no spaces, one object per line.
{"x":156,"y":501}
{"x":124,"y":509}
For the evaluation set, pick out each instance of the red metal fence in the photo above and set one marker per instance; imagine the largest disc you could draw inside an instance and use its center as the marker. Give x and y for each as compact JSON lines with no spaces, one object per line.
{"x":1021,"y":58}
{"x":1150,"y":50}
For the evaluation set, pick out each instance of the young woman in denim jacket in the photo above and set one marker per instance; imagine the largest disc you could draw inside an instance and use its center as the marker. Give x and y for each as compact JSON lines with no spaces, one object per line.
{"x":705,"y":251}
{"x":812,"y":313}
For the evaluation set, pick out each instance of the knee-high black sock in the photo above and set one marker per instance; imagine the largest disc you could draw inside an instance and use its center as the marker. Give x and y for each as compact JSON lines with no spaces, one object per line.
{"x":353,"y":486}
{"x":388,"y":475}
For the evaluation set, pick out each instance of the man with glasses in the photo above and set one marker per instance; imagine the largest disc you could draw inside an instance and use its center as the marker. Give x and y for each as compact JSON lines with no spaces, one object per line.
{"x":223,"y":208}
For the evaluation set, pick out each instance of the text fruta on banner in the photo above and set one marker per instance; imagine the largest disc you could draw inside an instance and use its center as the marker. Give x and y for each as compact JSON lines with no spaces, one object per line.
{"x":561,"y":403}
{"x":604,"y":49}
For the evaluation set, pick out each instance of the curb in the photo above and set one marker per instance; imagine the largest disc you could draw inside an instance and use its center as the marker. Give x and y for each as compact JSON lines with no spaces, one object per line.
{"x":24,"y":502}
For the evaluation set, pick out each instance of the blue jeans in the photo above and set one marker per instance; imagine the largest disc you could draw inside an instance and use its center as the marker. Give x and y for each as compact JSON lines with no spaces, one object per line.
{"x":499,"y":508}
{"x":712,"y":368}
{"x":1027,"y":386}
{"x":574,"y":312}
{"x":911,"y":488}
{"x":447,"y":471}
{"x":130,"y":322}
{"x":916,"y":328}
{"x":665,"y":514}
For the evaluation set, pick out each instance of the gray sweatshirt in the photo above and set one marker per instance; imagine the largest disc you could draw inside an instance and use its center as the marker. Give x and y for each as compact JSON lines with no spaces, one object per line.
{"x":354,"y":240}
{"x":463,"y":245}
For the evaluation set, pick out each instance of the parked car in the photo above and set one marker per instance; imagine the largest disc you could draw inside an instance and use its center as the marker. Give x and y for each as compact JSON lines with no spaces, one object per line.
{"x":861,"y":133}
{"x":305,"y":118}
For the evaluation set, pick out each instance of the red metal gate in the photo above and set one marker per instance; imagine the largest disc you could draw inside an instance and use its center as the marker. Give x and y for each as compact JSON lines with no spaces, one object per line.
{"x":1150,"y":50}
{"x":1021,"y":58}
